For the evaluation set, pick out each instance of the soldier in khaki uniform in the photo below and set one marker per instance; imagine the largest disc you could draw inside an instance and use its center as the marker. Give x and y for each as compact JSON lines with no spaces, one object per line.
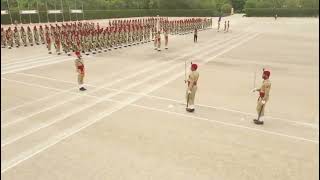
{"x":23,"y":36}
{"x":16,"y":37}
{"x":80,"y":69}
{"x":192,"y":87}
{"x":263,"y":96}
{"x":3,"y":38}
{"x":30,"y":38}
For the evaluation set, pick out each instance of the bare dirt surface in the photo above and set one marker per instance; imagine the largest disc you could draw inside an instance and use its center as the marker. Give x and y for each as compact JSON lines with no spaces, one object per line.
{"x":131,"y":123}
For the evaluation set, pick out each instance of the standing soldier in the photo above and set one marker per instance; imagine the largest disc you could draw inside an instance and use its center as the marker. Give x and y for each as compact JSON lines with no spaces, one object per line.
{"x":225,"y":26}
{"x":195,"y":36}
{"x":263,"y":96}
{"x":16,"y":37}
{"x":192,"y":87}
{"x":30,"y":38}
{"x":219,"y":23}
{"x":80,"y":69}
{"x":166,"y":38}
{"x":3,"y":38}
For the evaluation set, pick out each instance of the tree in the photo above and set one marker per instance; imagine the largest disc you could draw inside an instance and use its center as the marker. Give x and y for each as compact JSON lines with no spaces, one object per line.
{"x":238,"y":5}
{"x":250,"y":4}
{"x":226,"y":8}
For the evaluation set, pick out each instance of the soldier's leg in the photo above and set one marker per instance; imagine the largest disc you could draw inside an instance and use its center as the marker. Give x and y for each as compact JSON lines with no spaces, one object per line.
{"x":260,"y":112}
{"x":155,"y":43}
{"x":159,"y":45}
{"x":80,"y":81}
{"x":191,"y":98}
{"x":49,"y":47}
{"x":166,"y":43}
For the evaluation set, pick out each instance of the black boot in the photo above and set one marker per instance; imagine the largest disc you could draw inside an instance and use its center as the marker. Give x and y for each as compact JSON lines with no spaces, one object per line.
{"x":256,"y":121}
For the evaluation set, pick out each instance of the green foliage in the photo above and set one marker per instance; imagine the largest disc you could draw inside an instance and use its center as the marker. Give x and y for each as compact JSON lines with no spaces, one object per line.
{"x":226,"y":8}
{"x":281,"y":12}
{"x":250,"y":4}
{"x":264,"y":4}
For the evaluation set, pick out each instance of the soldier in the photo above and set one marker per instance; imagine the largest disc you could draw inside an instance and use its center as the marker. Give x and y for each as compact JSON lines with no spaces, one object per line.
{"x":3,"y":38}
{"x":23,"y":36}
{"x":225,"y":26}
{"x":195,"y":36}
{"x":48,"y":39}
{"x":263,"y":96}
{"x":57,"y":43}
{"x":30,"y":38}
{"x":219,"y":24}
{"x":9,"y":37}
{"x":80,"y":69}
{"x":192,"y":87}
{"x":16,"y":37}
{"x":36,"y":35}
{"x":42,"y":35}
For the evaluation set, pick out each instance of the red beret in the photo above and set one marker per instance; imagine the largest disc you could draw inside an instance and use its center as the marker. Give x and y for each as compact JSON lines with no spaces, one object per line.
{"x":267,"y":73}
{"x":78,"y":53}
{"x":194,"y":66}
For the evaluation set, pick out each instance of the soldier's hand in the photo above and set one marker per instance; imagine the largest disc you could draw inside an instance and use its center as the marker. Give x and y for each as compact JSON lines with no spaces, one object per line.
{"x":263,"y":102}
{"x":189,"y":92}
{"x":254,"y":90}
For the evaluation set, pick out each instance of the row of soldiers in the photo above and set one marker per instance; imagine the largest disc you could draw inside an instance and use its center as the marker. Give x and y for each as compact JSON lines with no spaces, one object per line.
{"x":90,"y":37}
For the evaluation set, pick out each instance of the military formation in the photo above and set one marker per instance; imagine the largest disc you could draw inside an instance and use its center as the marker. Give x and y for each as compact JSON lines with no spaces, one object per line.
{"x":89,"y":37}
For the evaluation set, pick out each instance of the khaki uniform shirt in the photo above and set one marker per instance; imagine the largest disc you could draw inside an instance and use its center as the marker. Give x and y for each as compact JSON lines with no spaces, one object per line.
{"x":265,"y":88}
{"x":193,"y":79}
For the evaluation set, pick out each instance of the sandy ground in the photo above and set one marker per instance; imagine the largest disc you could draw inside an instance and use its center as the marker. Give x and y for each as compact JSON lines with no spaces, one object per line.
{"x":131,"y":123}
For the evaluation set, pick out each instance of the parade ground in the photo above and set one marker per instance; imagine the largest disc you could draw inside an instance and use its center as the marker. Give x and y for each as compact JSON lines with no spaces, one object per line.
{"x":131,"y":123}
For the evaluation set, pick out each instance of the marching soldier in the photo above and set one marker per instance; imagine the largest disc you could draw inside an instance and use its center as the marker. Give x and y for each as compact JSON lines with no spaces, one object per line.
{"x":36,"y":35}
{"x":192,"y":87}
{"x":3,"y":38}
{"x":263,"y":96}
{"x":30,"y":38}
{"x":48,"y":40}
{"x":57,"y":43}
{"x":80,"y":69}
{"x":9,"y":37}
{"x":42,"y":35}
{"x":16,"y":37}
{"x":23,"y":36}
{"x":225,"y":26}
